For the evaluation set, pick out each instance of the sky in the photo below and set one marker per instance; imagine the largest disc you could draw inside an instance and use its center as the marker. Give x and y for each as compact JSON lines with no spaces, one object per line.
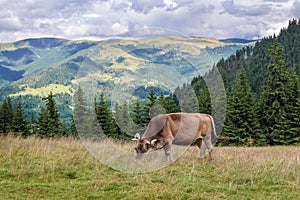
{"x":96,"y":19}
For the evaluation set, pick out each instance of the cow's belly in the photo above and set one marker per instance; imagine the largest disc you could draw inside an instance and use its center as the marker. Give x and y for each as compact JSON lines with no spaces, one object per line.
{"x":186,"y":137}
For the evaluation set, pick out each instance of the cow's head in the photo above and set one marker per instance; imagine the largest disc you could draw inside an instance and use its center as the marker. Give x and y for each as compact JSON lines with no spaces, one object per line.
{"x":143,"y":145}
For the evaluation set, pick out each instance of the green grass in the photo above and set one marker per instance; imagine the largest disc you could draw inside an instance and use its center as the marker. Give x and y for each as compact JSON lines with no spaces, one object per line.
{"x":35,"y":168}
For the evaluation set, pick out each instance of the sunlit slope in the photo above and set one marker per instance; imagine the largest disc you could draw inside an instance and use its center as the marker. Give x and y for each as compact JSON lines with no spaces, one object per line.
{"x":28,"y":66}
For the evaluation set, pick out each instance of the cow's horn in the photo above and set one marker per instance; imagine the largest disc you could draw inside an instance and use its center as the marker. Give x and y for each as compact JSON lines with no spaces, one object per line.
{"x":153,"y":141}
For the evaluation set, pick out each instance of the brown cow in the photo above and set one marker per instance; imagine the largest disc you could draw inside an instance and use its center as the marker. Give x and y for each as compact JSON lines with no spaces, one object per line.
{"x":177,"y":128}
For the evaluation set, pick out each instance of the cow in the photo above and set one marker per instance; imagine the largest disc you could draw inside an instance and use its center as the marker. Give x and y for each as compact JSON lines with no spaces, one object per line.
{"x":177,"y":128}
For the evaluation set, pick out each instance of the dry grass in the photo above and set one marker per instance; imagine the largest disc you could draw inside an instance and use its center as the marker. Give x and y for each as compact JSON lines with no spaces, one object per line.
{"x":36,"y":168}
{"x":44,"y":91}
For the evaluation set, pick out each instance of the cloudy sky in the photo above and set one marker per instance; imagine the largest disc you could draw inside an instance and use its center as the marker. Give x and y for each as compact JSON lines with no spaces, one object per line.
{"x":94,"y":19}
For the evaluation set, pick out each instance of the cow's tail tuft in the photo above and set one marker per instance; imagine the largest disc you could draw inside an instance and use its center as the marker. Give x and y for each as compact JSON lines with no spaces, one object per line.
{"x":223,"y":138}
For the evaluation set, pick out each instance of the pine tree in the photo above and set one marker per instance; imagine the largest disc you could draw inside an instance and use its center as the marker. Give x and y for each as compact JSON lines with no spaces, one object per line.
{"x":49,"y":124}
{"x":105,"y":118}
{"x":125,"y":125}
{"x":19,"y":124}
{"x":274,"y":101}
{"x":150,"y":110}
{"x":292,"y":116}
{"x":169,"y":104}
{"x":3,"y":126}
{"x":9,"y":113}
{"x":6,"y":116}
{"x":32,"y":124}
{"x":242,"y":125}
{"x":204,"y":101}
{"x":187,"y":99}
{"x":137,"y":113}
{"x":43,"y":120}
{"x":73,"y":130}
{"x":84,"y":122}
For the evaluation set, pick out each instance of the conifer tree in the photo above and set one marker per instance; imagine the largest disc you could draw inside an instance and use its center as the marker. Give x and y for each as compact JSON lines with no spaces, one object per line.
{"x":291,"y":132}
{"x":242,"y":125}
{"x":169,"y":104}
{"x":2,"y":121}
{"x":105,"y":118}
{"x":137,"y":113}
{"x":19,"y":124}
{"x":73,"y":130}
{"x":204,"y":101}
{"x":49,"y":124}
{"x":187,"y":99}
{"x":6,"y":116}
{"x":32,"y":124}
{"x":9,"y":113}
{"x":83,"y":122}
{"x":149,"y":108}
{"x":125,"y":125}
{"x":43,"y":120}
{"x":274,"y":101}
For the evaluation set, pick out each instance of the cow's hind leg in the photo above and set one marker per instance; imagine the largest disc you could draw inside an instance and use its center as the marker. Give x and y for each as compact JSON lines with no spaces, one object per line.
{"x":202,"y":147}
{"x":208,"y":145}
{"x":167,"y":149}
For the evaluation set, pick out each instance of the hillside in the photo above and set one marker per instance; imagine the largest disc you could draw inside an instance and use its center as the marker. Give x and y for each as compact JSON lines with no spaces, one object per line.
{"x":255,"y":59}
{"x":263,"y":90}
{"x":31,"y":68}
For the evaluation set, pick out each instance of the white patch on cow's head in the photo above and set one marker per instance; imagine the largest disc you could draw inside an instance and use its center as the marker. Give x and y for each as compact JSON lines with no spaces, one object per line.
{"x":143,"y":145}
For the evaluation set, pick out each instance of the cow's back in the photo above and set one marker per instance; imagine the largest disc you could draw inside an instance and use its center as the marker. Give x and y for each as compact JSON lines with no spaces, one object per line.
{"x":186,"y":127}
{"x":155,"y":126}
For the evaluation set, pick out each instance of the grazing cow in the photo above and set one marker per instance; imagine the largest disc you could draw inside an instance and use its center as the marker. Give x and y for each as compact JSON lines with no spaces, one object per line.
{"x":177,"y":128}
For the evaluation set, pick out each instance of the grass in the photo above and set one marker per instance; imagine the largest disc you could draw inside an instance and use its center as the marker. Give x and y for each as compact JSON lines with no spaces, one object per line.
{"x":35,"y":168}
{"x":44,"y":91}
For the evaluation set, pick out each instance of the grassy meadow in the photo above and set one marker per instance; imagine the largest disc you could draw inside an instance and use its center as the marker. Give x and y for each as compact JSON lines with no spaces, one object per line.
{"x":36,"y":168}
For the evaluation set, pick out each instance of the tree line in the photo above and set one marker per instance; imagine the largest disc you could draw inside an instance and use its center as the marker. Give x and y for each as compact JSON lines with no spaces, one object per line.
{"x":262,"y":89}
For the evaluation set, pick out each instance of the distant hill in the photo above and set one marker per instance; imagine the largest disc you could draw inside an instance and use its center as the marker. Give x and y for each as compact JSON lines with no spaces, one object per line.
{"x":237,"y":40}
{"x":32,"y":68}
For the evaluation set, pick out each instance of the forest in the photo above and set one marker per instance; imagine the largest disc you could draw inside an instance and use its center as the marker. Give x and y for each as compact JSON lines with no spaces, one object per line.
{"x":263,"y":100}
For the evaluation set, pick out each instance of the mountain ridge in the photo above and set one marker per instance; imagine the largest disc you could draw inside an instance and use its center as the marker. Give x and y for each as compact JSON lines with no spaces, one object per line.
{"x":30,"y":66}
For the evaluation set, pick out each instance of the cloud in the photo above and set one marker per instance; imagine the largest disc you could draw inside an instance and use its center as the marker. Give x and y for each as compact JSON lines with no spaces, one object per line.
{"x":76,"y":19}
{"x":246,"y":10}
{"x":296,"y":9}
{"x":145,"y":6}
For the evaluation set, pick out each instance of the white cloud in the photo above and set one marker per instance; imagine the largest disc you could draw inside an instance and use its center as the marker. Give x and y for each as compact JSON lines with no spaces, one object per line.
{"x":73,"y":19}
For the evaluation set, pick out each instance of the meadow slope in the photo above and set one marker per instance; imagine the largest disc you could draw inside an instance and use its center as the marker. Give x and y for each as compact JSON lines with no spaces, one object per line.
{"x":36,"y":168}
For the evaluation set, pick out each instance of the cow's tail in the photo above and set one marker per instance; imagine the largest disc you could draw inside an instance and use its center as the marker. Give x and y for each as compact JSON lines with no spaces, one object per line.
{"x":214,"y":130}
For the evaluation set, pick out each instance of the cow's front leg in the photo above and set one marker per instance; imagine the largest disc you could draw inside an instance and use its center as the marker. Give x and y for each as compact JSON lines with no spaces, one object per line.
{"x":167,"y":149}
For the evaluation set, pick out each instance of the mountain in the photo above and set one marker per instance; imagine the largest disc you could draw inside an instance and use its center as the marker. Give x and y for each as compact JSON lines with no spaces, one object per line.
{"x":237,"y":40}
{"x":31,"y":68}
{"x":255,"y":58}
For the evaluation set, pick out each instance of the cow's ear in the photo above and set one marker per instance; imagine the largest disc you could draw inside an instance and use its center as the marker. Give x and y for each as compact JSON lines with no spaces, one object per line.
{"x":136,"y":137}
